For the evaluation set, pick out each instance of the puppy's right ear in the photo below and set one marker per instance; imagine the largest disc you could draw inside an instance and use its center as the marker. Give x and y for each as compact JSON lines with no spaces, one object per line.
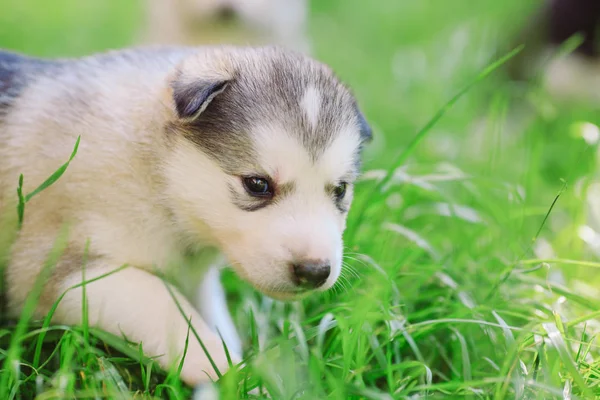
{"x":192,"y":98}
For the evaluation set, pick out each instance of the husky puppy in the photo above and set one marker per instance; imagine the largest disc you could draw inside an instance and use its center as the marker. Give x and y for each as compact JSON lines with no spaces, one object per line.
{"x":252,"y":151}
{"x":241,"y":22}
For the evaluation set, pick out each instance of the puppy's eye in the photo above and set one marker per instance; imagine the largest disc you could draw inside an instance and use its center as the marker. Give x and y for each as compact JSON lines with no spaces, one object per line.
{"x":257,"y":186}
{"x":340,"y":190}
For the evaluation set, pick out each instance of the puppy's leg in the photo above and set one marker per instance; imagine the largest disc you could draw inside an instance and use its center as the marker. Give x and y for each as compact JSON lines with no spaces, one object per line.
{"x":137,"y":304}
{"x":212,"y":304}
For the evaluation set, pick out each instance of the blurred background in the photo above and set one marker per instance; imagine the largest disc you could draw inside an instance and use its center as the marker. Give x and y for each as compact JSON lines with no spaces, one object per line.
{"x":463,"y":228}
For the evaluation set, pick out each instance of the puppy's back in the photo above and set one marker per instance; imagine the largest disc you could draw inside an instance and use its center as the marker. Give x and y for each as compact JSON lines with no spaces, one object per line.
{"x":71,"y":75}
{"x":16,"y":71}
{"x":112,"y":100}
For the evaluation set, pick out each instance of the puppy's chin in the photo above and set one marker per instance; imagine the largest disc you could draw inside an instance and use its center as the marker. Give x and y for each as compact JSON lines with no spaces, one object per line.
{"x":286,"y":296}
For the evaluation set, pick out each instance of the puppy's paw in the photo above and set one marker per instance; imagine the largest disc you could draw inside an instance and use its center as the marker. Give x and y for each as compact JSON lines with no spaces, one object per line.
{"x":197,"y":368}
{"x":206,"y":391}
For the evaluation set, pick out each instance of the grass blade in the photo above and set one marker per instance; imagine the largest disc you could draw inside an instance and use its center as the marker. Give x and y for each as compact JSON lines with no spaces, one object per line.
{"x":559,"y":344}
{"x":56,"y":175}
{"x":418,"y":138}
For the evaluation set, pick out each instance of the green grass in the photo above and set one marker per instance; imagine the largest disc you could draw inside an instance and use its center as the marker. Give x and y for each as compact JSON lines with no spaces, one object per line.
{"x":443,"y":295}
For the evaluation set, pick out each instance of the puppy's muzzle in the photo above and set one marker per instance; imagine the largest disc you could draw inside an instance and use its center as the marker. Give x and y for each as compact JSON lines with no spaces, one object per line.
{"x":310,"y":274}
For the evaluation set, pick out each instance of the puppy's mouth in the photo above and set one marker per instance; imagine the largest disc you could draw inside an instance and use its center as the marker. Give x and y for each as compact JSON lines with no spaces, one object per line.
{"x":284,"y":288}
{"x":286,"y":293}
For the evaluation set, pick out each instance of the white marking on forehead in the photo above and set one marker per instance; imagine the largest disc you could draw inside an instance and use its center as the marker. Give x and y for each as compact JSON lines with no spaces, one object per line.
{"x":285,"y":156}
{"x":279,"y":153}
{"x":311,"y":104}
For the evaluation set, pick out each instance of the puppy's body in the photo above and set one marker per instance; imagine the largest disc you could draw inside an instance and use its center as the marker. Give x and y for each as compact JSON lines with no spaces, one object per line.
{"x":57,"y":101}
{"x":177,"y":145}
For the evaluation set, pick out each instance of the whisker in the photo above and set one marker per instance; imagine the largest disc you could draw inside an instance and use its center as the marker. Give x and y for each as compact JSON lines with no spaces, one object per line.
{"x":349,"y":269}
{"x":358,"y":260}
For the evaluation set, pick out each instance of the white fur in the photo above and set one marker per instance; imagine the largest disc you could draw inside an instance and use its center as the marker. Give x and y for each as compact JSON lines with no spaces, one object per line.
{"x":311,"y":103}
{"x":212,"y":305}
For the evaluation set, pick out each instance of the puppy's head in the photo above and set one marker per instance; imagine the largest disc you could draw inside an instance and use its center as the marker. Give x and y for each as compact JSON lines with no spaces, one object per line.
{"x":264,"y":148}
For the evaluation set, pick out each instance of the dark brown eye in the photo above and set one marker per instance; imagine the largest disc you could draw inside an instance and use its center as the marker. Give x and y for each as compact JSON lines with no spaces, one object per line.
{"x":340,"y":190}
{"x":257,"y":186}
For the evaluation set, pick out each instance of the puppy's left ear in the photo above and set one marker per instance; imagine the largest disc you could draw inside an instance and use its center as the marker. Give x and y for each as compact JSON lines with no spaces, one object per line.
{"x":192,"y":98}
{"x":366,"y":133}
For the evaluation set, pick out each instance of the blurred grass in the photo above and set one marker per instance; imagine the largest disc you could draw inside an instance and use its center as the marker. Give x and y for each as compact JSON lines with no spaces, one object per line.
{"x":443,"y":295}
{"x":67,"y":27}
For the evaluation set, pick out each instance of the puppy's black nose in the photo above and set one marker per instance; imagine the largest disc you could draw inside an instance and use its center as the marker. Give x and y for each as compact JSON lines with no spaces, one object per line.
{"x":226,"y":13}
{"x":311,"y":274}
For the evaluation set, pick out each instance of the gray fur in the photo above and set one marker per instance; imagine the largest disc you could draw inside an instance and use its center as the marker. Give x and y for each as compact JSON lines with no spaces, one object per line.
{"x":261,"y":92}
{"x":270,"y":91}
{"x":16,"y":71}
{"x":267,"y":87}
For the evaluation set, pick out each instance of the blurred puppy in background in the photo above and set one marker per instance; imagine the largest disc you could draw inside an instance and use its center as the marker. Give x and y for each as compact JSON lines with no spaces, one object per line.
{"x":243,"y":22}
{"x":572,"y":76}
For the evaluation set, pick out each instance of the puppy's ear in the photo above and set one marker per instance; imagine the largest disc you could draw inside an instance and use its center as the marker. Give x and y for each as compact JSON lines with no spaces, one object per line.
{"x":192,"y":98}
{"x":366,"y":133}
